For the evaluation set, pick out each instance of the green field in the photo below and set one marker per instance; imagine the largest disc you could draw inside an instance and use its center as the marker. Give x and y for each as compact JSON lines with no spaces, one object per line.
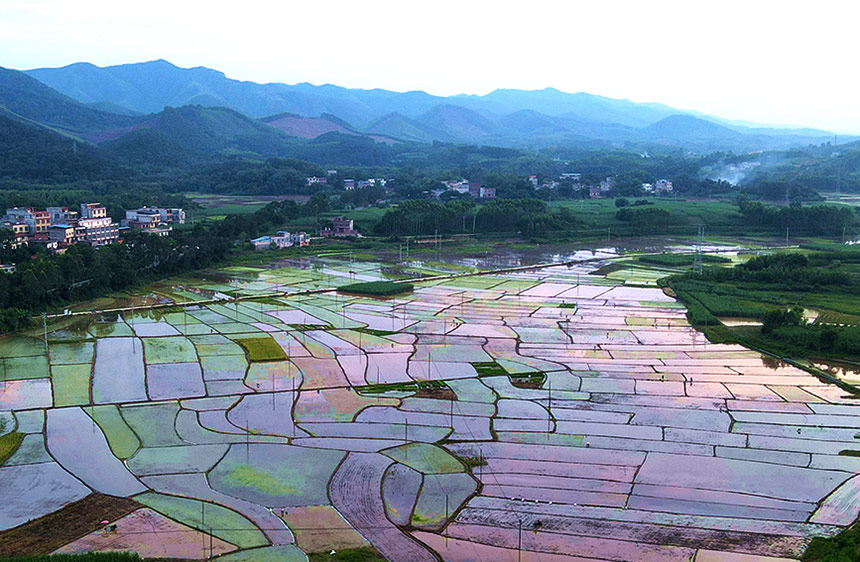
{"x":376,"y":288}
{"x":260,"y":349}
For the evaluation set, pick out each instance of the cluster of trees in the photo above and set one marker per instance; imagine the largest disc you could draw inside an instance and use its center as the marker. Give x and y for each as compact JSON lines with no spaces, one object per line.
{"x":812,"y":339}
{"x":531,"y":217}
{"x":783,"y":190}
{"x":49,"y":280}
{"x":791,"y":271}
{"x":781,"y":317}
{"x":271,"y":217}
{"x":645,"y":219}
{"x":815,"y":220}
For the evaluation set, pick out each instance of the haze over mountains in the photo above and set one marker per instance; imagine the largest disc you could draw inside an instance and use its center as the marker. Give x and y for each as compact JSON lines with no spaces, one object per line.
{"x":172,"y":109}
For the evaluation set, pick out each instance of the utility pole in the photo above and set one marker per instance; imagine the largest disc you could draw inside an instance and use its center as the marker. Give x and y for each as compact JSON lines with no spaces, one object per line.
{"x":786,"y":236}
{"x":697,"y":257}
{"x":45,"y":330}
{"x":549,"y":408}
{"x":520,"y":541}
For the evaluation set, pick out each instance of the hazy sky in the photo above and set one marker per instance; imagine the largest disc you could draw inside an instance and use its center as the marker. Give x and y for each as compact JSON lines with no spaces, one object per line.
{"x":787,"y":62}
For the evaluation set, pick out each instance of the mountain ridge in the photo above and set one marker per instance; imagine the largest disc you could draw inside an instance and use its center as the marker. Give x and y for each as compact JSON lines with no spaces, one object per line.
{"x":498,"y":118}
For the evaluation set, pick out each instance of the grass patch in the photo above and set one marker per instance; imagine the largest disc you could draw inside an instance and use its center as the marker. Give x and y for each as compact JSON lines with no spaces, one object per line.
{"x":849,"y":453}
{"x":363,"y":554}
{"x":489,"y":369}
{"x":9,"y":443}
{"x":567,"y":305}
{"x":262,"y":349}
{"x":376,"y":288}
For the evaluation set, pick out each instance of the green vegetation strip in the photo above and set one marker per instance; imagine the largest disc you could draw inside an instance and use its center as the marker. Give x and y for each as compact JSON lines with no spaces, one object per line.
{"x":364,"y":554}
{"x":682,"y":260}
{"x":122,"y":440}
{"x":262,"y":349}
{"x":489,"y":369}
{"x":9,"y":443}
{"x":226,"y":523}
{"x":400,"y":387}
{"x":376,"y":288}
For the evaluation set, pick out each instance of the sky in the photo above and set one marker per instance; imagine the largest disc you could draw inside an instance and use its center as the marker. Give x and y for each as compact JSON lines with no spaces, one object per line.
{"x":783,"y":62}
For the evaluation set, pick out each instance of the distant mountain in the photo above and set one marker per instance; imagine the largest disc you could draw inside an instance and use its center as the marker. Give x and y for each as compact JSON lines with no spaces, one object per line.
{"x":588,"y":107}
{"x":32,"y":100}
{"x":687,"y":127}
{"x":215,"y":130}
{"x":505,"y":117}
{"x":307,"y":127}
{"x":403,"y":128}
{"x":458,"y":122}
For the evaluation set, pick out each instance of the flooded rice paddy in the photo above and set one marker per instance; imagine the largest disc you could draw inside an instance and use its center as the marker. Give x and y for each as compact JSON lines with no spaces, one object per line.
{"x":633,"y":439}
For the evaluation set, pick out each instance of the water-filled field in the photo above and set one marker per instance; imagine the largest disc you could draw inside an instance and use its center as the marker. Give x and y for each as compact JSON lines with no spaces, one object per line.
{"x":538,"y":415}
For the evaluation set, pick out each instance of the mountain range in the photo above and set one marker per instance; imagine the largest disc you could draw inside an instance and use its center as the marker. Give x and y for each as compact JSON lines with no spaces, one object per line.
{"x":156,"y":109}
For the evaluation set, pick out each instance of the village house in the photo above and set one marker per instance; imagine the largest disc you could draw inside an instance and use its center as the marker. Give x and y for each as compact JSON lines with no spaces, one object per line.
{"x":341,"y":227}
{"x":314,"y":180}
{"x":281,"y":239}
{"x":154,"y":220}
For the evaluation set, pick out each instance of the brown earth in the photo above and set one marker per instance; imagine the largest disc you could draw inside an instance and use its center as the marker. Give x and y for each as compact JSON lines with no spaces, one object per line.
{"x":46,"y":534}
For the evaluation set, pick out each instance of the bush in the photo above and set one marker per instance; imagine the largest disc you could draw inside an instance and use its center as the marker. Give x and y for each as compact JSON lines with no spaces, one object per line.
{"x":844,"y":547}
{"x":621,"y":202}
{"x":773,"y":319}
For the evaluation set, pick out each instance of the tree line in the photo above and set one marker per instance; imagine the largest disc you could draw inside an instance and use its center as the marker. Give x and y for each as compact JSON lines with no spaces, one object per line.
{"x":44,"y":280}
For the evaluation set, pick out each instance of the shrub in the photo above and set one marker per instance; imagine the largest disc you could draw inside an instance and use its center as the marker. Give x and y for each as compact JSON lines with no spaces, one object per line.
{"x":778,"y":318}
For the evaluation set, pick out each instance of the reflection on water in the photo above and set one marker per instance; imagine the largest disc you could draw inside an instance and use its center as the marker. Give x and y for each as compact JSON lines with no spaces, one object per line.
{"x":501,"y":257}
{"x":844,"y":371}
{"x":773,"y":362}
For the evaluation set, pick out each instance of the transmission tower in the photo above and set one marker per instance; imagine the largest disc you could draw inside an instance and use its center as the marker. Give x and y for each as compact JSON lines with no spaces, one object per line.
{"x":697,"y":257}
